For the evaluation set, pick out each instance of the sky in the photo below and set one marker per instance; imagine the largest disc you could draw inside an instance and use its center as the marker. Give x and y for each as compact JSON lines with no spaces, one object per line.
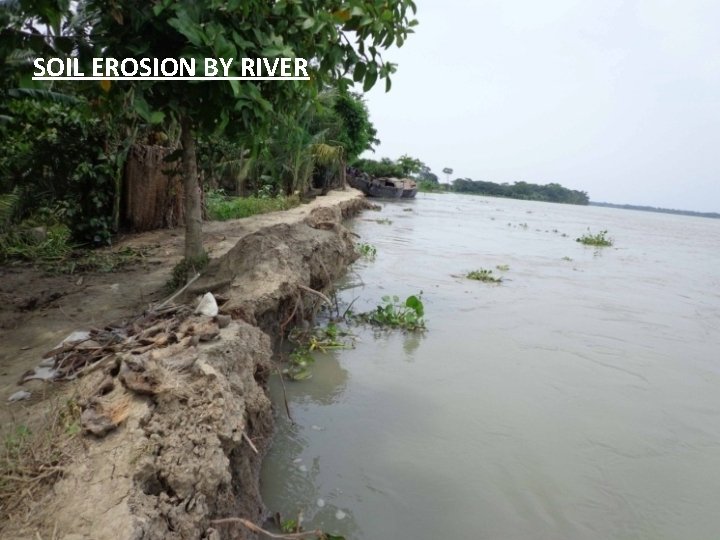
{"x":617,"y":98}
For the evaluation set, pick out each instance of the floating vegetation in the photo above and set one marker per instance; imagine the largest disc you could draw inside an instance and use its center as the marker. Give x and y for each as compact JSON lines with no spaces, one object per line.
{"x":384,"y":221}
{"x":566,"y":258}
{"x":307,"y":342}
{"x":367,"y":251}
{"x":503,"y":267}
{"x":486,"y":276}
{"x":599,"y":240}
{"x":523,"y":225}
{"x":394,"y":314}
{"x":408,"y":210}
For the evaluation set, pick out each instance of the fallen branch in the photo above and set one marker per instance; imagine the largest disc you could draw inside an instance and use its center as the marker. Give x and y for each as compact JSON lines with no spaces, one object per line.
{"x":254,"y":448}
{"x":254,"y":528}
{"x":178,"y":293}
{"x":316,"y":293}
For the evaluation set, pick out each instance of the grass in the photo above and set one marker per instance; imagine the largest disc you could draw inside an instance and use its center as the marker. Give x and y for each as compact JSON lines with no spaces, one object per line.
{"x":221,"y":207}
{"x":598,"y":240}
{"x":55,"y":253}
{"x":24,"y":245}
{"x":409,"y":315}
{"x":98,"y":261}
{"x":367,"y":251}
{"x":33,"y":458}
{"x":486,"y":276}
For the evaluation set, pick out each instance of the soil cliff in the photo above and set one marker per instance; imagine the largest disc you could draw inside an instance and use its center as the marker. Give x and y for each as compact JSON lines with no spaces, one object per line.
{"x":174,"y":436}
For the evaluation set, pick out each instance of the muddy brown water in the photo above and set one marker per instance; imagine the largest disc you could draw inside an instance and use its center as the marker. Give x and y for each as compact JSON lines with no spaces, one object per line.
{"x":579,"y":399}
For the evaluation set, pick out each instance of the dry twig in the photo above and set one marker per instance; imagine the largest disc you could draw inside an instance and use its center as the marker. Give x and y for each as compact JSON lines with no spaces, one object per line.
{"x":256,"y":529}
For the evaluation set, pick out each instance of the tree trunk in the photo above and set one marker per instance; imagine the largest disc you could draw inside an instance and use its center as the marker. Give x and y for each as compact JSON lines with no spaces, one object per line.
{"x":193,"y":208}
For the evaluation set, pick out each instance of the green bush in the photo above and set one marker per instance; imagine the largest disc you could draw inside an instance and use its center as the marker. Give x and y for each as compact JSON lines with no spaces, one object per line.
{"x":57,"y":154}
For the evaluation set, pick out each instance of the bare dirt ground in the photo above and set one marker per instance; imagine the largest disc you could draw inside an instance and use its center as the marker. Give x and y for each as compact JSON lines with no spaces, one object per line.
{"x":175,"y":463}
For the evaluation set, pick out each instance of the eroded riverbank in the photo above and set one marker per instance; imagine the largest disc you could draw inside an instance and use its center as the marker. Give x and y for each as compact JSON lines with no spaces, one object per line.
{"x":181,"y":455}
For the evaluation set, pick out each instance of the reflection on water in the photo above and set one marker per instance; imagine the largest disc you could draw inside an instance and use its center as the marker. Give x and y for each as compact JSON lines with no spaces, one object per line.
{"x":578,"y":399}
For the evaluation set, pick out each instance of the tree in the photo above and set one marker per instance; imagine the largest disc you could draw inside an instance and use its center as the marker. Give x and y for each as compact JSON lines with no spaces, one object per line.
{"x":447,"y":171}
{"x":409,"y":165}
{"x":354,"y":130}
{"x":341,"y":39}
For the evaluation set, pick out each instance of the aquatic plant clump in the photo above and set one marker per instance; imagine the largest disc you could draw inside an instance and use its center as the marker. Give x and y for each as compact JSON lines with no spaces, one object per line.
{"x":599,"y":240}
{"x":318,"y":339}
{"x":367,"y":251}
{"x":486,"y":276}
{"x":394,"y":314}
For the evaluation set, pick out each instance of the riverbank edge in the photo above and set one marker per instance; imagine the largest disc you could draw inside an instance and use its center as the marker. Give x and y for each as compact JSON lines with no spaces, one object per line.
{"x":190,"y":452}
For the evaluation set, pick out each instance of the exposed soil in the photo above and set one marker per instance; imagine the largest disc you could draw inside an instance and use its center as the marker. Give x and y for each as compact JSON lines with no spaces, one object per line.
{"x":181,"y":455}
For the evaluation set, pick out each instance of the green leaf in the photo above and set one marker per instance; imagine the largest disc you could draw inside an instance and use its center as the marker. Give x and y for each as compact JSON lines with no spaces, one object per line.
{"x":157,"y":117}
{"x":414,"y":303}
{"x":359,"y":72}
{"x":370,"y":79}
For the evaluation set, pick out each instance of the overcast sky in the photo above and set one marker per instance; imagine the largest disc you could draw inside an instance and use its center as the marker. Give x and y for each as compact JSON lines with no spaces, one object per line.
{"x":617,"y":98}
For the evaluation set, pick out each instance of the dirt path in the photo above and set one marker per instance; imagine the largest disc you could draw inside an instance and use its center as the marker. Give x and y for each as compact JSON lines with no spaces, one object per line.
{"x":143,"y":478}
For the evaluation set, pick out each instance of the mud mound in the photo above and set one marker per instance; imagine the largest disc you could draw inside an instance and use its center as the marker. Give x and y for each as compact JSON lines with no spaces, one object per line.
{"x":262,"y":274}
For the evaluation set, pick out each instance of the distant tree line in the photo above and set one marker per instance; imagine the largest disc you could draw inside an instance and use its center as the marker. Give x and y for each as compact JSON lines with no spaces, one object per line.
{"x":552,"y":192}
{"x":713,"y":215}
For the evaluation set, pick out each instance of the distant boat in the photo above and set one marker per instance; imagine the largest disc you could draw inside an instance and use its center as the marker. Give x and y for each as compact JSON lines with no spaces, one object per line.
{"x":383,"y":187}
{"x":409,"y":188}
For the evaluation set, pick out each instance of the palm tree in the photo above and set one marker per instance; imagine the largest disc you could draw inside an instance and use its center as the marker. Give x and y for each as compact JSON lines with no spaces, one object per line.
{"x":448,"y":171}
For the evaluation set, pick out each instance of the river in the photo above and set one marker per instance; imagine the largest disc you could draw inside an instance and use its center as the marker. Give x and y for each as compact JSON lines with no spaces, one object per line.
{"x":578,"y":399}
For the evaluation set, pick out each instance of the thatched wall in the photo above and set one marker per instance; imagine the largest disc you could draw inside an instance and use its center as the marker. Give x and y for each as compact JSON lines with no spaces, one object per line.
{"x":153,"y":195}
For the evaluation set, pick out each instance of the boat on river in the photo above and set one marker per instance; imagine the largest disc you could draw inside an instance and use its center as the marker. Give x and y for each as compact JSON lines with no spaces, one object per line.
{"x":409,"y":188}
{"x":383,"y":187}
